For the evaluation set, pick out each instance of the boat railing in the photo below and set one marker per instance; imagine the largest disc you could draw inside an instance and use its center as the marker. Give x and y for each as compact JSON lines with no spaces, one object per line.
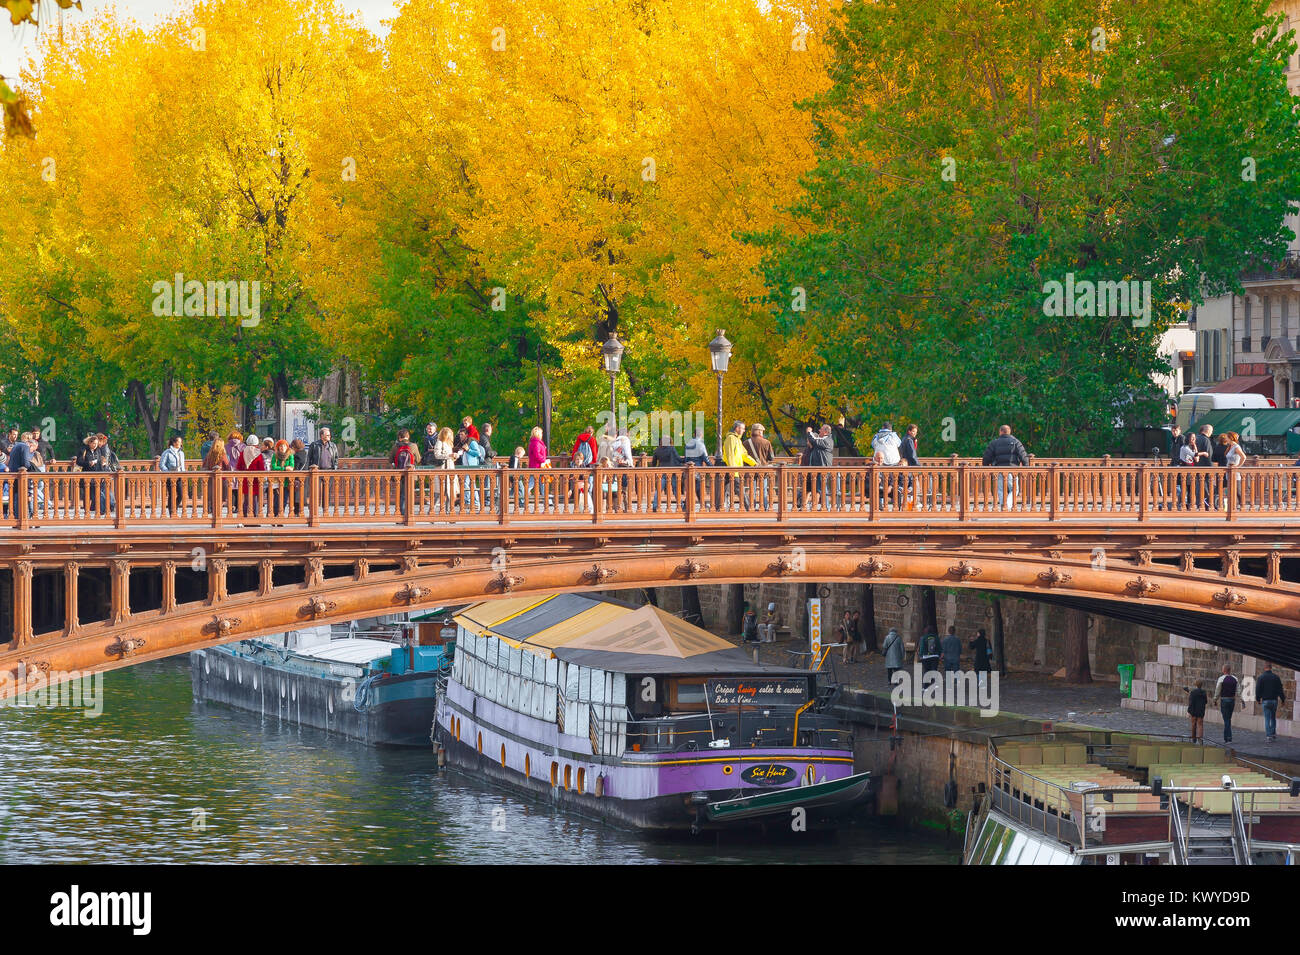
{"x":690,"y":732}
{"x":1240,"y":840}
{"x":1178,"y":832}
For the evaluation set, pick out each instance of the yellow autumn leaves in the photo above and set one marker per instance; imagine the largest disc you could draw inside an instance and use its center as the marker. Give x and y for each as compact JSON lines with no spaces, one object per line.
{"x":603,"y":161}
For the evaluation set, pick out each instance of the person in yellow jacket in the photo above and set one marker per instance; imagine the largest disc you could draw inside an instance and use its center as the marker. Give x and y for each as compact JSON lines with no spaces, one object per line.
{"x":734,"y":455}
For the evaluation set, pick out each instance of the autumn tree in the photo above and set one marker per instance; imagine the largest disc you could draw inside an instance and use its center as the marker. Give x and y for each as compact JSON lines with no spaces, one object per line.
{"x":971,"y":155}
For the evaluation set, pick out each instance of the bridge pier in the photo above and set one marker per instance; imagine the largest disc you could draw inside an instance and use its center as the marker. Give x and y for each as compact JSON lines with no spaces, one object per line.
{"x":71,"y":577}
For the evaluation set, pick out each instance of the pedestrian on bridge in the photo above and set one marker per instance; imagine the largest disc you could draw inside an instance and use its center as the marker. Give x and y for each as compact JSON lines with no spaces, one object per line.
{"x":1006,"y":451}
{"x":734,"y":455}
{"x":821,"y":454}
{"x":173,"y":460}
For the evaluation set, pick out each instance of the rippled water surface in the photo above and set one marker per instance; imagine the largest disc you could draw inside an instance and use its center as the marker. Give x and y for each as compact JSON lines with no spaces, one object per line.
{"x":160,"y":778}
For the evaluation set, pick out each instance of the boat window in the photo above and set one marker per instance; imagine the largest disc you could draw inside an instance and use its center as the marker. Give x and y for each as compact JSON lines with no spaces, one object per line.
{"x":528,"y":766}
{"x":568,"y":777}
{"x":582,"y":780}
{"x":555,"y":774}
{"x":690,"y":692}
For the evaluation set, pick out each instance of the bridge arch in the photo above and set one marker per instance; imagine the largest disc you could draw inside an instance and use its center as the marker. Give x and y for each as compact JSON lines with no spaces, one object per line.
{"x":1250,"y":613}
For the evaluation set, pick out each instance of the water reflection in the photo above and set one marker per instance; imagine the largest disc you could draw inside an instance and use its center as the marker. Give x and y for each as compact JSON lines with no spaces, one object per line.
{"x":160,"y":778}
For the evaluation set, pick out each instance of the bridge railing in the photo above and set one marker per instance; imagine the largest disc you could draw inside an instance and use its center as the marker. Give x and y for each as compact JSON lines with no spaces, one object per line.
{"x":929,"y":493}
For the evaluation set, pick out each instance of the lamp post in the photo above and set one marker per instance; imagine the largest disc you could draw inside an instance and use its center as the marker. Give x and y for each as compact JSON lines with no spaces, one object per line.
{"x":720,"y":357}
{"x":612,"y":354}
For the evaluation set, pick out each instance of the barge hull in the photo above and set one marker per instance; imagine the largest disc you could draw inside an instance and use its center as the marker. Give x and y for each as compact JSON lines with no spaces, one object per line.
{"x":400,"y":710}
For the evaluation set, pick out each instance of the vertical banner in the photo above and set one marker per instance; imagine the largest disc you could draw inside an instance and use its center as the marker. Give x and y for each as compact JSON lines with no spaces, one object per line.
{"x":546,"y":411}
{"x":815,"y":629}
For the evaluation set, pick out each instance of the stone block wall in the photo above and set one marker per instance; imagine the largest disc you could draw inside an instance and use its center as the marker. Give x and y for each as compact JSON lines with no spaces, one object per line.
{"x":1161,"y":685}
{"x":1032,"y":630}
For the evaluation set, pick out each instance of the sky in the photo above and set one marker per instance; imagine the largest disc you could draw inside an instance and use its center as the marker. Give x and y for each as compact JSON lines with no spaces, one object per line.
{"x":18,"y":43}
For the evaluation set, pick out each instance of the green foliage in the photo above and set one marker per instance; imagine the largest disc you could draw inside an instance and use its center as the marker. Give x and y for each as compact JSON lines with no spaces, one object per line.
{"x":970,"y":153}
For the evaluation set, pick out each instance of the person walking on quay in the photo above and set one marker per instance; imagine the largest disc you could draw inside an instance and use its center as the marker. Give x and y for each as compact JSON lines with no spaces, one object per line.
{"x":1225,"y":691}
{"x":749,"y":621}
{"x":928,"y":652}
{"x":1268,"y":690}
{"x":893,"y":650}
{"x":849,"y":652}
{"x":734,"y":455}
{"x":951,"y":647}
{"x":173,"y":460}
{"x":983,"y":655}
{"x":1006,"y":451}
{"x":7,"y":442}
{"x":860,"y":634}
{"x":821,"y":454}
{"x":1196,"y":703}
{"x":209,"y":440}
{"x":665,"y":456}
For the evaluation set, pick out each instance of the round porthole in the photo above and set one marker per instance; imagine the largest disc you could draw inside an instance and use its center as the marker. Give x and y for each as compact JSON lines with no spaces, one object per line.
{"x":726,"y":770}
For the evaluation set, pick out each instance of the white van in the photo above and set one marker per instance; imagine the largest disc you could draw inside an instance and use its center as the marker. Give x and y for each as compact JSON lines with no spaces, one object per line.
{"x":1191,"y":407}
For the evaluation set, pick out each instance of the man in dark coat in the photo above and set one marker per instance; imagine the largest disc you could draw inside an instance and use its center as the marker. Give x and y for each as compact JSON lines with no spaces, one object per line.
{"x":821,"y":454}
{"x":1006,"y":451}
{"x":907,"y":450}
{"x":1268,"y":690}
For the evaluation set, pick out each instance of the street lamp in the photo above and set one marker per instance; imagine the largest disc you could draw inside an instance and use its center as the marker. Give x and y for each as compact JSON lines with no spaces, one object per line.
{"x":612,"y":353}
{"x":720,"y":356}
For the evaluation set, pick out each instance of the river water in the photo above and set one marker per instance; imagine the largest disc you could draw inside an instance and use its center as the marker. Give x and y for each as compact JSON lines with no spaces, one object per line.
{"x":158,"y":777}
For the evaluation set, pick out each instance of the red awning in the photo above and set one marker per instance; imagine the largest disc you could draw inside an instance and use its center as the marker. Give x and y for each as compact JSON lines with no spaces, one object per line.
{"x":1243,"y":385}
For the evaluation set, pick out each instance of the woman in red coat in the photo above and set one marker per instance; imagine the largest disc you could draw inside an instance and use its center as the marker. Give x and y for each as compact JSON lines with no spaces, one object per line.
{"x":250,"y":459}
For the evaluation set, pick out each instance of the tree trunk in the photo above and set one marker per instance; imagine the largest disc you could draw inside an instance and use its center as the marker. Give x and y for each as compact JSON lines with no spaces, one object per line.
{"x":867,"y":630}
{"x":155,"y":424}
{"x":735,"y":608}
{"x":999,"y":642}
{"x":1077,"y":669}
{"x":929,"y":616}
{"x":691,"y":612}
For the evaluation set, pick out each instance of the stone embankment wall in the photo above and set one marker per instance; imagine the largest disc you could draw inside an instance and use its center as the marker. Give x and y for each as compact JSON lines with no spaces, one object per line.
{"x":1032,"y":630}
{"x":1161,"y":685}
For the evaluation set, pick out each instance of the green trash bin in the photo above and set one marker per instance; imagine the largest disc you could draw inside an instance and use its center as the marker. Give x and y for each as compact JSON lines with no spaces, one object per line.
{"x":1126,"y":671}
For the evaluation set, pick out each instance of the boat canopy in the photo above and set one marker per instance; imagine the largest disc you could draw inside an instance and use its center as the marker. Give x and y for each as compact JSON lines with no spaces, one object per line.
{"x":594,"y":631}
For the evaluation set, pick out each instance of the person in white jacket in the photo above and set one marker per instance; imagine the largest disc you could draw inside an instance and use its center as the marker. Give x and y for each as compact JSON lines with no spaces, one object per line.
{"x":887,"y":442}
